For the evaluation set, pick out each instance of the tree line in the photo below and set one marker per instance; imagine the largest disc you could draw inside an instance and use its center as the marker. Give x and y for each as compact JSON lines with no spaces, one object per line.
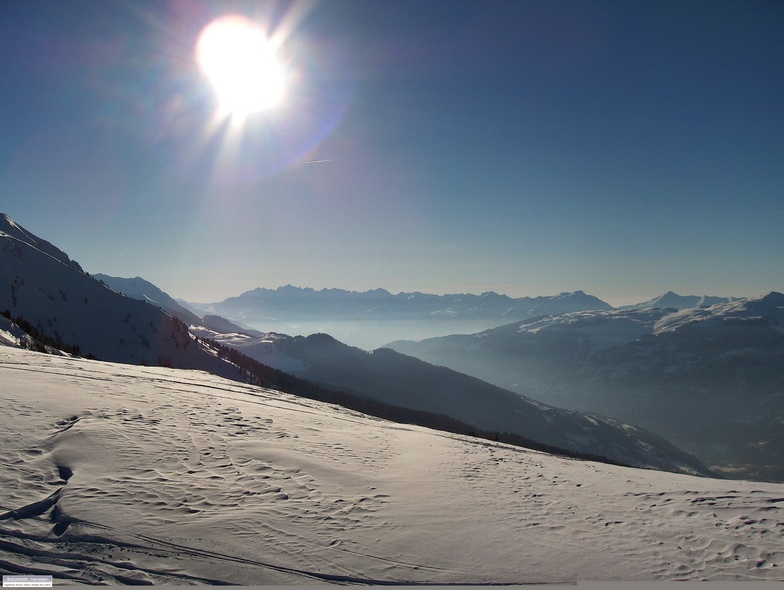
{"x":40,"y":339}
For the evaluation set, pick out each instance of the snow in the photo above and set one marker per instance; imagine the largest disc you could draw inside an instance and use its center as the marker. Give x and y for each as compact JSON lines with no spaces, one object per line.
{"x":12,"y":231}
{"x":64,"y":303}
{"x":172,"y":477}
{"x":10,"y":333}
{"x":602,"y":329}
{"x":769,"y":308}
{"x":261,"y":348}
{"x":675,"y":301}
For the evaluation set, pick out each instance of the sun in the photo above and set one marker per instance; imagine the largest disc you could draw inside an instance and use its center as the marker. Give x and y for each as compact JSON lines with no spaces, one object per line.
{"x":241,"y":64}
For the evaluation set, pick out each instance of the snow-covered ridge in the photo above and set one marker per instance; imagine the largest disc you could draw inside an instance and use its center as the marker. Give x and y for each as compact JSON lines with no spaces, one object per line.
{"x":606,"y":329}
{"x":262,"y":348}
{"x":10,"y":229}
{"x":602,"y":329}
{"x":139,"y":288}
{"x":51,"y":292}
{"x":675,"y":301}
{"x":769,"y":308}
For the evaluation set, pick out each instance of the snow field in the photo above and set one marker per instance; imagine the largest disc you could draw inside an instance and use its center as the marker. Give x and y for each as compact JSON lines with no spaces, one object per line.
{"x":115,"y":473}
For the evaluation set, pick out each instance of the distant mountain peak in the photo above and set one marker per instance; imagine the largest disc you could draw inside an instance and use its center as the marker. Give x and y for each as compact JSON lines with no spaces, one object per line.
{"x":670,"y":299}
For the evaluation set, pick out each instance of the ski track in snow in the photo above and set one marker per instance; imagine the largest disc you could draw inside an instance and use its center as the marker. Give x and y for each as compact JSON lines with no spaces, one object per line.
{"x":121,"y":474}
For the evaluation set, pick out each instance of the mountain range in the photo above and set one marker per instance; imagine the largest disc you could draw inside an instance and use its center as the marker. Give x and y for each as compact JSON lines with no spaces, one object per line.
{"x":710,"y":379}
{"x":707,"y":378}
{"x":372,"y":318}
{"x":296,"y":303}
{"x":57,"y":303}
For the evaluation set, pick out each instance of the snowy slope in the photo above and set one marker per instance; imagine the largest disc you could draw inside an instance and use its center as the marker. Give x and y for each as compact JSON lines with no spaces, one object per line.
{"x":404,"y":381}
{"x":596,"y":330}
{"x":13,"y":335}
{"x":120,"y":474}
{"x":768,"y":310}
{"x":42,"y":286}
{"x":138,"y":288}
{"x":10,"y":229}
{"x":674,"y":301}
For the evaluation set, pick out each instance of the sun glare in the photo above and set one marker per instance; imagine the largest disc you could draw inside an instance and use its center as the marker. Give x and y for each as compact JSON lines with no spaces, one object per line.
{"x":241,"y":64}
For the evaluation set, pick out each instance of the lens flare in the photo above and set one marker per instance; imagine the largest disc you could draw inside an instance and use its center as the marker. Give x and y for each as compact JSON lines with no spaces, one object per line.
{"x":241,"y":64}
{"x":278,"y":90}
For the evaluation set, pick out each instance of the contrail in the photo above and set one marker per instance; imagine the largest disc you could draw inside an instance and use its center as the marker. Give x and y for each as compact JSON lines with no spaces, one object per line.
{"x":453,"y":248}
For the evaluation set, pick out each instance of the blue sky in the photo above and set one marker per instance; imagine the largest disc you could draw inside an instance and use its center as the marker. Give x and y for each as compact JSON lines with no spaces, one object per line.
{"x":445,"y":146}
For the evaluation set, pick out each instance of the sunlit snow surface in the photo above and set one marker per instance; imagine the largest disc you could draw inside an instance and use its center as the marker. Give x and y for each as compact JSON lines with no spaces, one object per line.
{"x":178,"y":477}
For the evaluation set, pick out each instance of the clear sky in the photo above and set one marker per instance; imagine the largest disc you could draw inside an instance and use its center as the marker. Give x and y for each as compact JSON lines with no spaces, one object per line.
{"x":445,"y":146}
